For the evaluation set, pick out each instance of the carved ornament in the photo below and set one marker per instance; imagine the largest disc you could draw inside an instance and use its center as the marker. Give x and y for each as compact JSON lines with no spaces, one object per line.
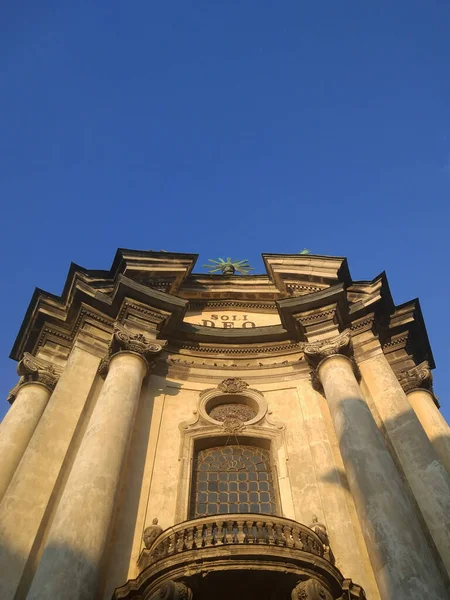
{"x":34,"y":370}
{"x":223,"y":412}
{"x":124,"y":340}
{"x":173,"y":590}
{"x":310,"y":589}
{"x":232,"y":385}
{"x":318,"y":351}
{"x":419,"y":376}
{"x":151,"y":532}
{"x":315,"y":352}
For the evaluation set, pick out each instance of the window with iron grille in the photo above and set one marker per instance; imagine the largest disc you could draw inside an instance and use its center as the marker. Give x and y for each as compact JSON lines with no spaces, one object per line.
{"x":232,"y":479}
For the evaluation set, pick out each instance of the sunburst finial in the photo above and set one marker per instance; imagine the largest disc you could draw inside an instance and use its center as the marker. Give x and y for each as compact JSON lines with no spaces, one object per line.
{"x":228,"y":267}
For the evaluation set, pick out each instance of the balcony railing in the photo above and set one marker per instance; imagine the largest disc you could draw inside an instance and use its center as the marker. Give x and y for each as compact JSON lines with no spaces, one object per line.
{"x":235,"y":530}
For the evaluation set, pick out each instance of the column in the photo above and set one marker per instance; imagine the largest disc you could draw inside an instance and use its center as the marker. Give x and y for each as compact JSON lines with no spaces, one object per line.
{"x":401,"y":558}
{"x":29,"y":500}
{"x":29,"y":399}
{"x":71,"y":559}
{"x":426,"y":476}
{"x":418,"y":386}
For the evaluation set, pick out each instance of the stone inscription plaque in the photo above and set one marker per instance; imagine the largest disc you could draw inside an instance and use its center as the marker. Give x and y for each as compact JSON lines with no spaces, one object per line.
{"x":232,"y":319}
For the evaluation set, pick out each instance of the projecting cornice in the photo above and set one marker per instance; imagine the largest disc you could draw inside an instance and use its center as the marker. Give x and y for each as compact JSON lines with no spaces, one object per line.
{"x":314,"y":295}
{"x":142,"y":304}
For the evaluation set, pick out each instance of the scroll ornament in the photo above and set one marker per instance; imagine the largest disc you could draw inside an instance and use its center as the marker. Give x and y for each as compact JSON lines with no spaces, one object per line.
{"x":419,"y":376}
{"x":34,"y":370}
{"x":172,"y":590}
{"x":124,"y":340}
{"x":317,"y":351}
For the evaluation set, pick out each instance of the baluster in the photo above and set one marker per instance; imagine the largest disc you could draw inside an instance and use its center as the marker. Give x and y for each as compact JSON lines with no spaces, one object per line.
{"x":189,"y":537}
{"x":245,"y":528}
{"x":207,"y":535}
{"x":287,"y":536}
{"x":179,"y":541}
{"x":214,"y":534}
{"x":296,"y":537}
{"x":253,"y":533}
{"x":194,"y":537}
{"x":230,"y":534}
{"x":240,"y":536}
{"x":270,"y":533}
{"x":234,"y":532}
{"x":223,"y":532}
{"x":260,"y":534}
{"x":279,"y":538}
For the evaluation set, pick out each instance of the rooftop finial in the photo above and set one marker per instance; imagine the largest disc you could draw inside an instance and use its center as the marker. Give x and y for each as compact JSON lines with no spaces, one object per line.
{"x":228,"y":267}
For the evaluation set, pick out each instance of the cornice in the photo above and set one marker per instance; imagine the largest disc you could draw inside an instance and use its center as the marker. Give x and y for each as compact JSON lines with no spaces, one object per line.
{"x":61,"y":314}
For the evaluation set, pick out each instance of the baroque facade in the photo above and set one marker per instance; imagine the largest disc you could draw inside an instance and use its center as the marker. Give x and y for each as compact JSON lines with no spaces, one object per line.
{"x":183,"y":436}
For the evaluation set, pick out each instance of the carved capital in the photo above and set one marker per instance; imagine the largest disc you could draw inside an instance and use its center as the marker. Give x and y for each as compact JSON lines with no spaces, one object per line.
{"x":124,"y":340}
{"x":419,"y":376}
{"x":34,"y":370}
{"x":317,"y":351}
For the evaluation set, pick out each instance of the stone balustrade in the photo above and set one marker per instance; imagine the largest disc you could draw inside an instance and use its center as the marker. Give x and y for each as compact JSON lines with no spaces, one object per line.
{"x":239,"y":529}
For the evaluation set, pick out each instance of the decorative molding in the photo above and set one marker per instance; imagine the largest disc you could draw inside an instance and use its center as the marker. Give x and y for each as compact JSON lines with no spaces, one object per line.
{"x":124,"y":340}
{"x":196,"y":305}
{"x":35,"y":370}
{"x":257,"y":351}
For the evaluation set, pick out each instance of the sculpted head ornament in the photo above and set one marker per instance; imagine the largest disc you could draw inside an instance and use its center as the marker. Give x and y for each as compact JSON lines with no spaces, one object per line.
{"x":310,"y":589}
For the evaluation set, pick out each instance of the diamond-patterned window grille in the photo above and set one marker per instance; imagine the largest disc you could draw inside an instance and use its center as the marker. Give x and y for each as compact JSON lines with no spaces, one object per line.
{"x":232,"y":479}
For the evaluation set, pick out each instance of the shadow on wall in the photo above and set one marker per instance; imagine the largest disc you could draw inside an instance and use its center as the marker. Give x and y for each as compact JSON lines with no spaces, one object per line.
{"x":368,"y":464}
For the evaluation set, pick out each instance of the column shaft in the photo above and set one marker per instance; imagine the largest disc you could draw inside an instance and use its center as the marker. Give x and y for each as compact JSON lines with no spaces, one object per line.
{"x":401,"y":558}
{"x":18,"y":427}
{"x":70,"y":563}
{"x":27,"y":503}
{"x":427,"y":477}
{"x":434,"y":424}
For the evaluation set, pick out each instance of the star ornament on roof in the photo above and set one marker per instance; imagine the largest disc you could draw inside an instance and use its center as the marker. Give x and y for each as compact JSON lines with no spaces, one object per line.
{"x":228,"y":267}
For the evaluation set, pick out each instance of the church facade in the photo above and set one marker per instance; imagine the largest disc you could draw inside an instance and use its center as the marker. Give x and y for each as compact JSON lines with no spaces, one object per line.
{"x":175,"y":435}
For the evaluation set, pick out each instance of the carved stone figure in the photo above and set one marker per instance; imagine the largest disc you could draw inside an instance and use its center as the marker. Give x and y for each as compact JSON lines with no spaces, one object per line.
{"x":310,"y":589}
{"x":151,"y":533}
{"x":173,"y":590}
{"x":321,"y":531}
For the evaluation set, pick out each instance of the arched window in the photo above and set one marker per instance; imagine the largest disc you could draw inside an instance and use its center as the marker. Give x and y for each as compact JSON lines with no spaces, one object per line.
{"x":232,"y":479}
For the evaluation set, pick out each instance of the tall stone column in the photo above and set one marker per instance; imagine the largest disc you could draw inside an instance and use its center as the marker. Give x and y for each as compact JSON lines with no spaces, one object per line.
{"x":418,"y":386}
{"x":71,"y":559}
{"x":401,"y":558}
{"x":29,"y":399}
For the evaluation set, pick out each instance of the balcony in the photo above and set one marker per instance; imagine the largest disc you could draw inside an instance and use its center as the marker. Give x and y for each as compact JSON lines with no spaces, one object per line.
{"x":239,"y":556}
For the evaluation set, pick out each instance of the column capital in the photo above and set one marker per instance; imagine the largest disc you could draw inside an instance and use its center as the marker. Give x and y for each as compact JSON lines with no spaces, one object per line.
{"x":125,"y":341}
{"x":317,"y":352}
{"x":34,"y":370}
{"x":419,"y":377}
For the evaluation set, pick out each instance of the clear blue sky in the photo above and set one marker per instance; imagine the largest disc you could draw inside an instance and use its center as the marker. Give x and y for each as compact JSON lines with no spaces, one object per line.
{"x":232,"y":128}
